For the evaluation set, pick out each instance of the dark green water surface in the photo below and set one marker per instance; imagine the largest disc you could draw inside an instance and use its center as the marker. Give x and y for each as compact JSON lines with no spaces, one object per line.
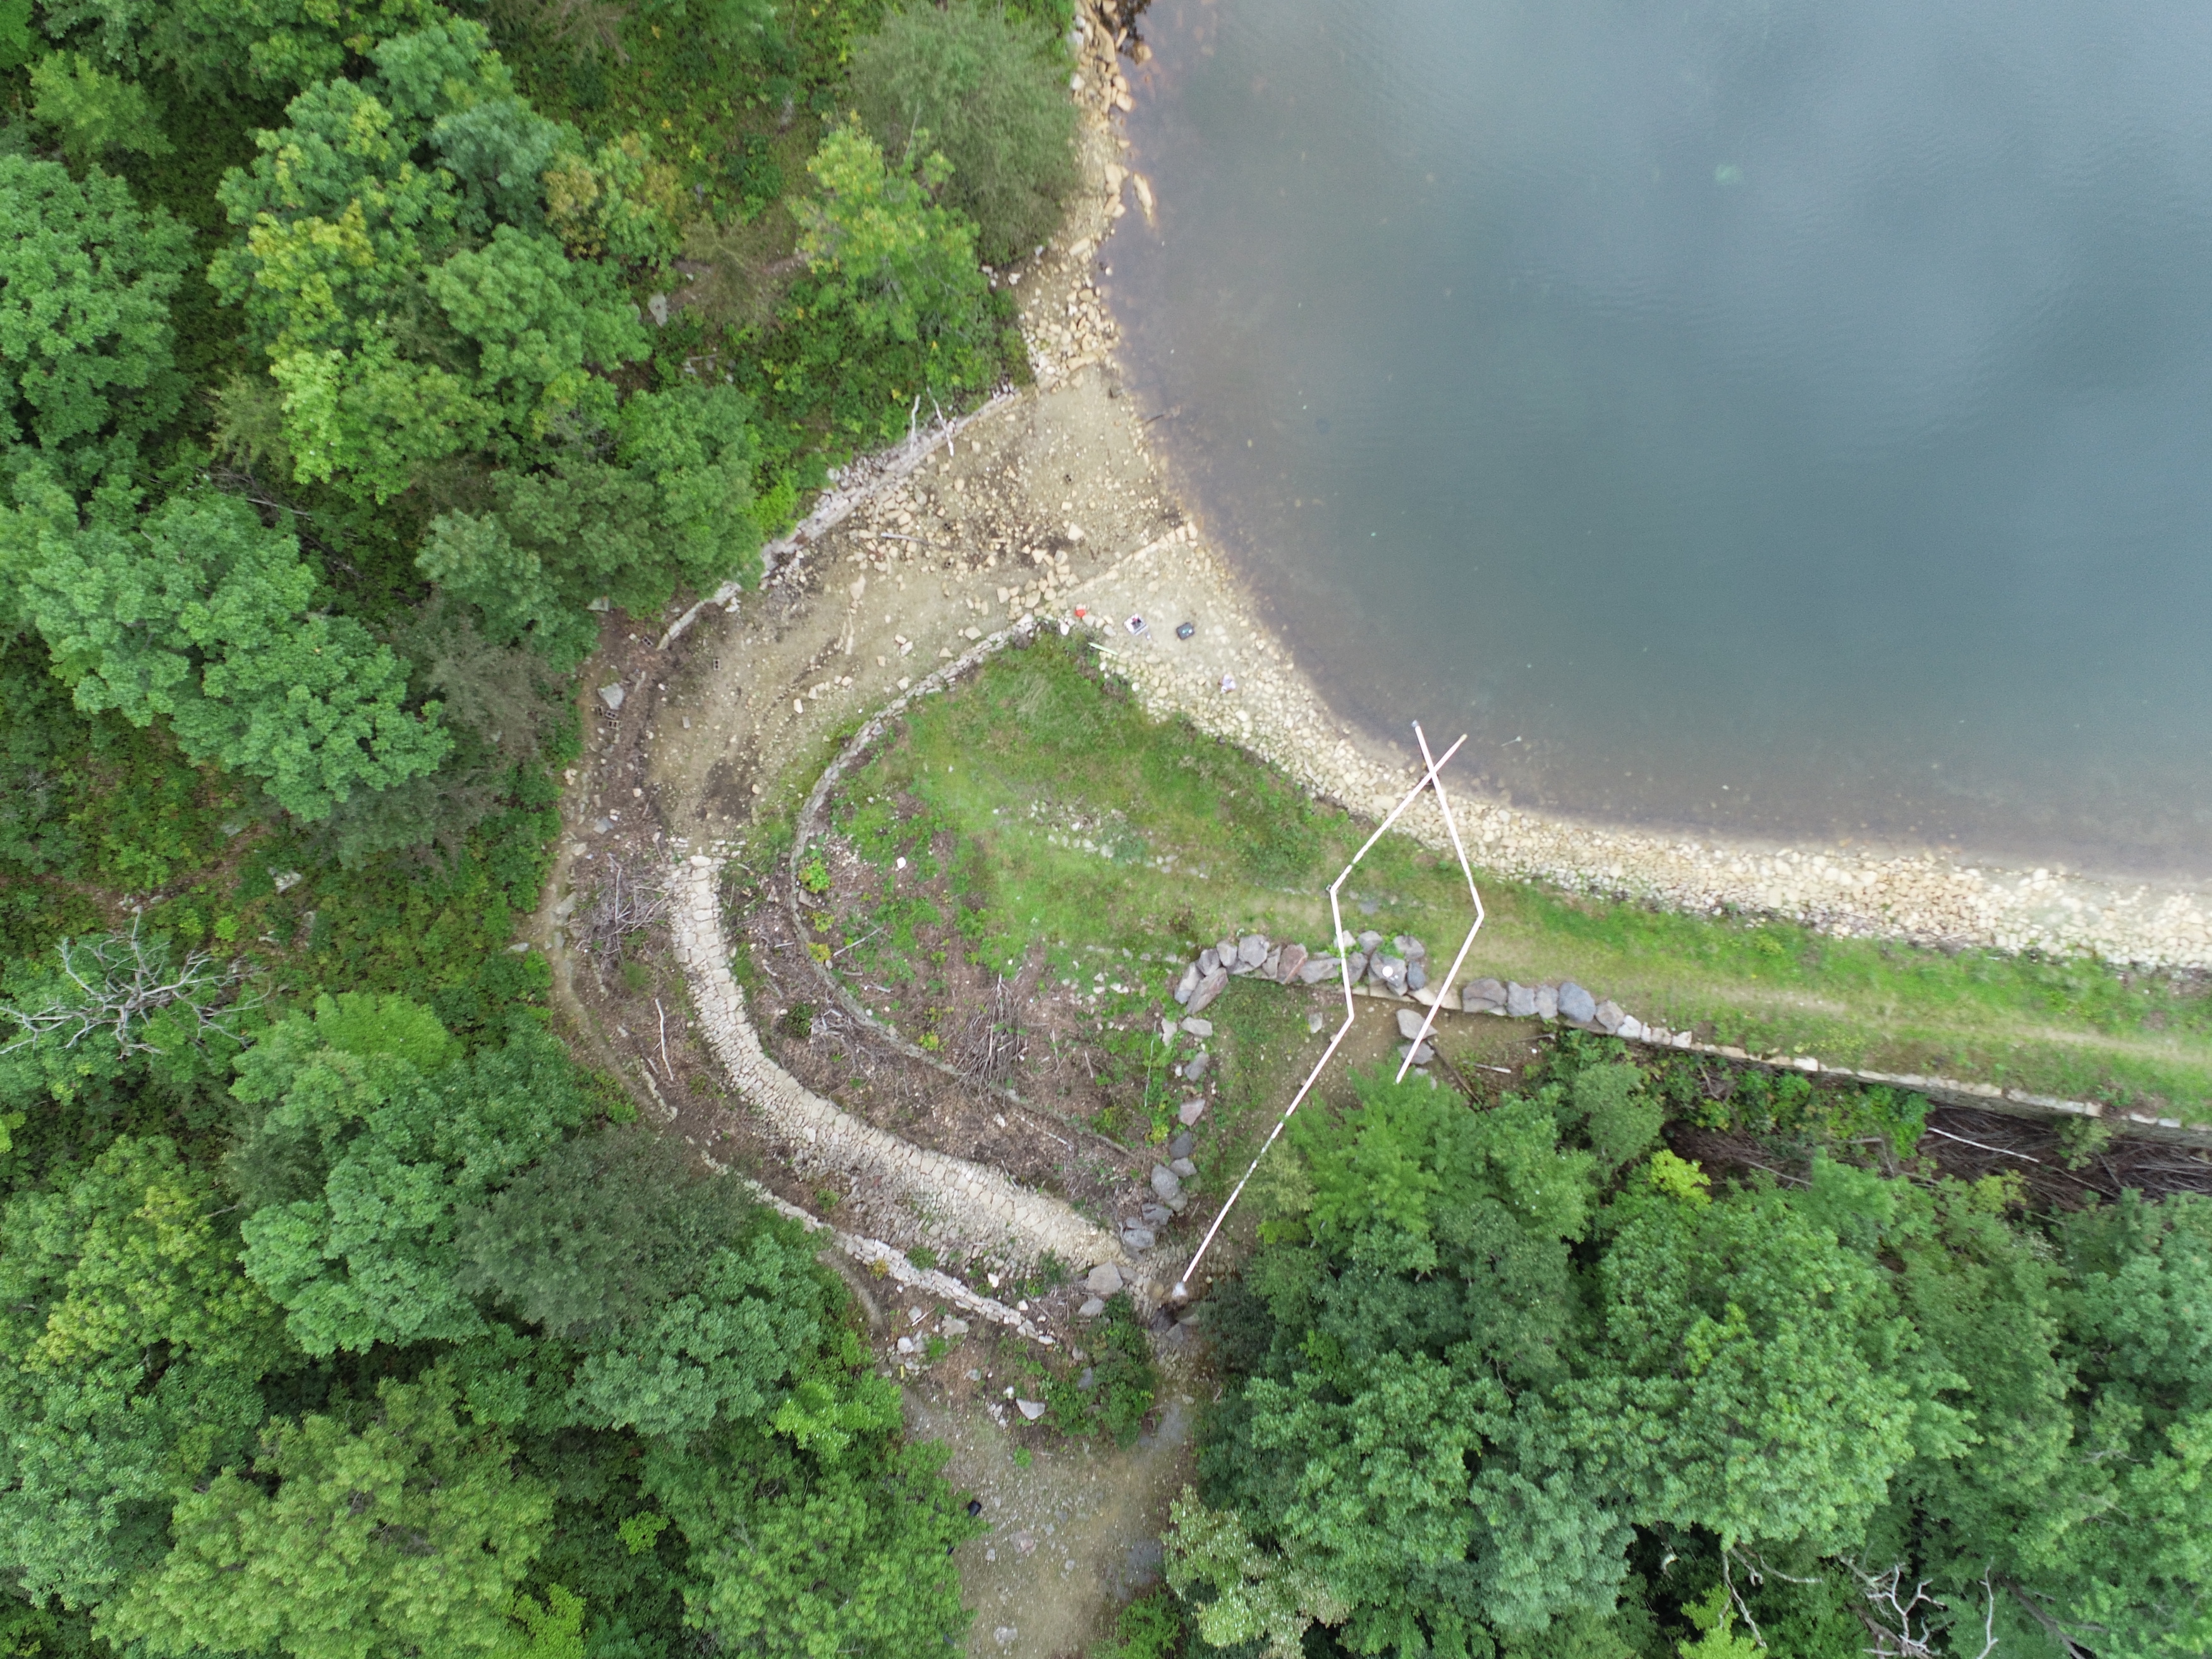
{"x":1787,"y":418}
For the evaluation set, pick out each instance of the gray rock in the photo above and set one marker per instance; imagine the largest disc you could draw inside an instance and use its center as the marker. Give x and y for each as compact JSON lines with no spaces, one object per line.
{"x":1273,"y":967}
{"x":1292,"y":963}
{"x":1608,"y":1014}
{"x":1417,"y":974}
{"x":1410,"y":948}
{"x":1388,"y":971}
{"x":1199,"y":1028}
{"x":1190,"y":1111}
{"x":1184,"y":1167}
{"x":1032,"y":1409}
{"x":1179,"y":1203}
{"x":1423,"y":1052}
{"x":1251,"y":951}
{"x":1576,"y":1004}
{"x":1370,"y":941}
{"x":1482,"y":996}
{"x":1632,"y":1028}
{"x":1155,"y":1215}
{"x":1409,"y":1024}
{"x":1137,"y":1238}
{"x":656,"y":306}
{"x":1168,"y":1032}
{"x":1208,"y":960}
{"x":611,"y":695}
{"x":1208,"y":989}
{"x":1166,"y":1182}
{"x":954,"y":1327}
{"x":1087,"y":1379}
{"x":1182,"y":1146}
{"x":1226,"y":951}
{"x":1520,"y":1001}
{"x":1188,"y":983}
{"x":1195,"y":1068}
{"x":1356,"y":963}
{"x":1314,"y":969}
{"x":1548,"y":1002}
{"x":1104,"y":1279}
{"x":1091,"y":1308}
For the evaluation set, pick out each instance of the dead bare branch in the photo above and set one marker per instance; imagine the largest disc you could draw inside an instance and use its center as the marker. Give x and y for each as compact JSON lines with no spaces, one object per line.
{"x":626,"y":904}
{"x":992,"y":1043}
{"x":119,"y":982}
{"x":1906,"y":1626}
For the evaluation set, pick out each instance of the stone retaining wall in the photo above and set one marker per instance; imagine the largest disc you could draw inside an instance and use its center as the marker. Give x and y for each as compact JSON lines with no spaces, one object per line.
{"x":956,"y":1205}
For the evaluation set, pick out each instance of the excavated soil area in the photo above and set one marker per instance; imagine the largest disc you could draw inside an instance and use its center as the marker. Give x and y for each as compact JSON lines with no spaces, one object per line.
{"x":1002,"y":1033}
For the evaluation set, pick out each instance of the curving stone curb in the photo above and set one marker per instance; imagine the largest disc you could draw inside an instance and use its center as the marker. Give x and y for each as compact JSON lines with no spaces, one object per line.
{"x":960,"y":1205}
{"x":809,"y":826}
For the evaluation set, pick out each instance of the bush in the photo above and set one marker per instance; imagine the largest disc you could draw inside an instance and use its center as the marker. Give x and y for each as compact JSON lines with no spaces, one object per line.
{"x":987,"y":91}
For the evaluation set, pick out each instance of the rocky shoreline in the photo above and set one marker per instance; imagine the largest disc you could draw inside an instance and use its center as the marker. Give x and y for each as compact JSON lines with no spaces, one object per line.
{"x":1234,"y":679}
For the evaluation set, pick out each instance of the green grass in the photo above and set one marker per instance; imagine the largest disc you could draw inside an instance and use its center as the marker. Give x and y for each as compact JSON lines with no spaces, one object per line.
{"x":1067,"y":820}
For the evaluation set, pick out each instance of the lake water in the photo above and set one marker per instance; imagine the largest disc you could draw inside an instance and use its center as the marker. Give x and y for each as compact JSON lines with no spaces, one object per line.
{"x":1794,"y":419}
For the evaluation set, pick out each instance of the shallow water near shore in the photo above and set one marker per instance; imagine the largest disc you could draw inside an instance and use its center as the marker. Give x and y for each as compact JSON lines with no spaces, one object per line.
{"x":1775,"y":419}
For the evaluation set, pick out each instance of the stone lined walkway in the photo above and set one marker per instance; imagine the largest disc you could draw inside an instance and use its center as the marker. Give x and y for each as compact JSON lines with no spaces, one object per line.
{"x":957,"y":1206}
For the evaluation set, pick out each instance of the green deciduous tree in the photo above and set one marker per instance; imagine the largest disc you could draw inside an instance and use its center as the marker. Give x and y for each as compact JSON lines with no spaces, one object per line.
{"x":718,"y":1352}
{"x":360,"y":1165}
{"x":129,"y":1349}
{"x":404,"y":1531}
{"x":987,"y":90}
{"x":396,"y":272}
{"x":902,"y":266}
{"x":197,"y":614}
{"x":93,"y":112}
{"x":85,"y":340}
{"x":234,"y":48}
{"x":812,"y":1557}
{"x":665,"y":498}
{"x":1748,"y":1374}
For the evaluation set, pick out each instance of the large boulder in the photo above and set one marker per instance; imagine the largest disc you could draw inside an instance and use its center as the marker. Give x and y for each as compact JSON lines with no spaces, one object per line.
{"x":1482,"y":996}
{"x":1208,"y":989}
{"x":1575,"y":1004}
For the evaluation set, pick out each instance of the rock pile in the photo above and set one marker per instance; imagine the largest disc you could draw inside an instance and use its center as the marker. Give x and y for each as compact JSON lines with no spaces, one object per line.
{"x":1396,"y":966}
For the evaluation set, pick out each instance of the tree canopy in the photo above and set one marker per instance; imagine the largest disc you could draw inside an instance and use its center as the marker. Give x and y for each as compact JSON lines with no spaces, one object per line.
{"x":1485,"y":1396}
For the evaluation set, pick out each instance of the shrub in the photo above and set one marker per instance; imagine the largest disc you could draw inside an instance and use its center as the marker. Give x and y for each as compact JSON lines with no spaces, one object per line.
{"x":986,"y":90}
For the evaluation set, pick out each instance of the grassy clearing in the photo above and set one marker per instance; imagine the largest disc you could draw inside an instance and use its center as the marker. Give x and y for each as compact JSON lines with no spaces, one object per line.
{"x":1068,"y":820}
